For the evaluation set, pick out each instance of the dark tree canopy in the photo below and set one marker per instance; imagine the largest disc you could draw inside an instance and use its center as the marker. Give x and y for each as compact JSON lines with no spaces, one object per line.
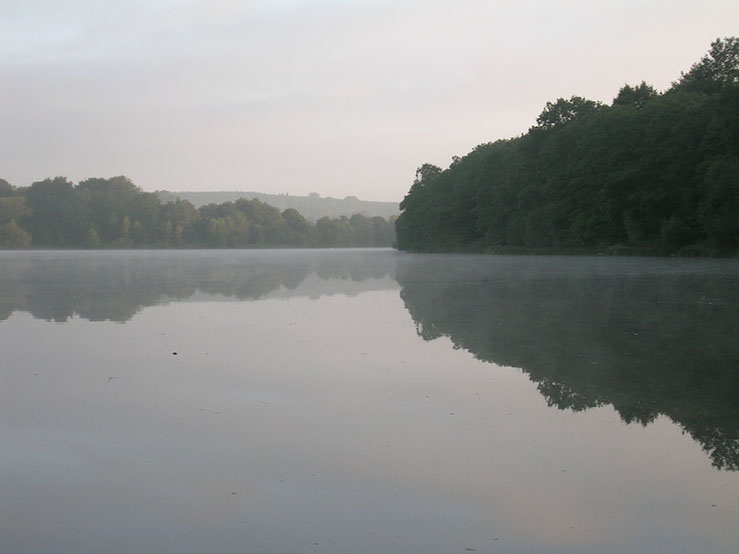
{"x":719,"y":68}
{"x":650,"y":174}
{"x":6,"y":189}
{"x":636,"y":97}
{"x":563,"y":111}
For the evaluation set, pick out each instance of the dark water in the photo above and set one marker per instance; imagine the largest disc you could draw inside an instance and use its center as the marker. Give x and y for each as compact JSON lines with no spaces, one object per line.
{"x":367,"y":401}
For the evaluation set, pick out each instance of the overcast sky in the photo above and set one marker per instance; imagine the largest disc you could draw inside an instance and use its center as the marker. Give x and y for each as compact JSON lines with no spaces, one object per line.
{"x":296,"y":96}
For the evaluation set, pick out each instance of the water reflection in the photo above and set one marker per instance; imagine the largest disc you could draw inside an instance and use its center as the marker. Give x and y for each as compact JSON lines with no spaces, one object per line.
{"x":114,"y":286}
{"x":330,"y":426}
{"x":648,"y":336}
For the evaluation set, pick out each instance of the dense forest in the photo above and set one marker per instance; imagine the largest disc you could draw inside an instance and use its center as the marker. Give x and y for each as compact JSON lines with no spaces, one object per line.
{"x":115,"y":213}
{"x":653,"y":173}
{"x":312,"y":207}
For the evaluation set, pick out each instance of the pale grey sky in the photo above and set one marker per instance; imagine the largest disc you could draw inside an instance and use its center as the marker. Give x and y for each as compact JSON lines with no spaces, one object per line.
{"x":297,"y":96}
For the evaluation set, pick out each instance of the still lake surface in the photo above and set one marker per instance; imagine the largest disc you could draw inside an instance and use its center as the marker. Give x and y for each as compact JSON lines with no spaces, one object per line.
{"x":367,"y":401}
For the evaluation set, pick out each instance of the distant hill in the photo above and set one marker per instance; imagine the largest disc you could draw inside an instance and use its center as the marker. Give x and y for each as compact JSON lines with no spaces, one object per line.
{"x":312,"y":207}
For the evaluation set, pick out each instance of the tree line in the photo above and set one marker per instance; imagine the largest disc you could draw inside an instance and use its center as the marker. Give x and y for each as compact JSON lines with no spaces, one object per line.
{"x":115,"y":213}
{"x":652,"y":173}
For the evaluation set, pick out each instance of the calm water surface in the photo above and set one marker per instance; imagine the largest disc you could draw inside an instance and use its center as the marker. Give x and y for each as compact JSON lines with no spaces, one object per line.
{"x":367,"y":401}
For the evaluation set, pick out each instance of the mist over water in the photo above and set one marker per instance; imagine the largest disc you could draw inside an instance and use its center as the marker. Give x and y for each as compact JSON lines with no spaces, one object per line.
{"x":111,"y":285}
{"x":367,"y":401}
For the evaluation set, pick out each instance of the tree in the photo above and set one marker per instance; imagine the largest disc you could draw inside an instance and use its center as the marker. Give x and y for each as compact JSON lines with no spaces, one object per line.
{"x":383,"y":231}
{"x":413,"y":222}
{"x":6,"y":189}
{"x":424,"y":176}
{"x":92,"y":240}
{"x":13,"y":207}
{"x":265,"y":220}
{"x":113,"y":212}
{"x":175,"y":222}
{"x":55,"y":215}
{"x":12,"y":236}
{"x":655,"y":173}
{"x":563,"y":111}
{"x":334,"y":233}
{"x":636,"y":97}
{"x":720,"y":209}
{"x":113,"y":206}
{"x":297,"y":230}
{"x":716,"y":70}
{"x":426,"y":173}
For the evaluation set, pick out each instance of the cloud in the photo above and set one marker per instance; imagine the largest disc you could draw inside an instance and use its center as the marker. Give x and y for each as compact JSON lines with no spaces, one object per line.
{"x":177,"y":93}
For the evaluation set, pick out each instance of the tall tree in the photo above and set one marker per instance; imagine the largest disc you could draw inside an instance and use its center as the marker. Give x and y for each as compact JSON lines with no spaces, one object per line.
{"x":563,"y":111}
{"x":55,"y":216}
{"x":636,"y":97}
{"x":6,"y":189}
{"x":719,"y":68}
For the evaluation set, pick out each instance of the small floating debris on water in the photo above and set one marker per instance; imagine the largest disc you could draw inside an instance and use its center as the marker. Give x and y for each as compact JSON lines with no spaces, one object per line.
{"x":174,"y":353}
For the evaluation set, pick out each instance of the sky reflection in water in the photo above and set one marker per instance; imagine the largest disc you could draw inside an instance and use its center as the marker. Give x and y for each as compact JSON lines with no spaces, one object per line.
{"x":304,"y":411}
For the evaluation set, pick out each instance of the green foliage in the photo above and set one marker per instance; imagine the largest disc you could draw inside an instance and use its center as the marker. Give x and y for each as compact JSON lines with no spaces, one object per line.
{"x":719,"y":211}
{"x":6,"y":189}
{"x":92,"y":239}
{"x":115,"y":213}
{"x":12,"y":236}
{"x":563,"y":111}
{"x":296,"y":230}
{"x":653,"y":173}
{"x":13,"y":207}
{"x":54,"y":211}
{"x":719,"y":68}
{"x":636,"y":97}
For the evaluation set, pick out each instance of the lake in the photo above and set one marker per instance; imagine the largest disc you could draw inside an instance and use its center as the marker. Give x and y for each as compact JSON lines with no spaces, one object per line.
{"x":367,"y":401}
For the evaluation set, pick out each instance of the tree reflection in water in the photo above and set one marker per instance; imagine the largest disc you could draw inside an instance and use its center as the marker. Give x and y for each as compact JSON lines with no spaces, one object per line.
{"x":115,"y":285}
{"x":649,"y":336}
